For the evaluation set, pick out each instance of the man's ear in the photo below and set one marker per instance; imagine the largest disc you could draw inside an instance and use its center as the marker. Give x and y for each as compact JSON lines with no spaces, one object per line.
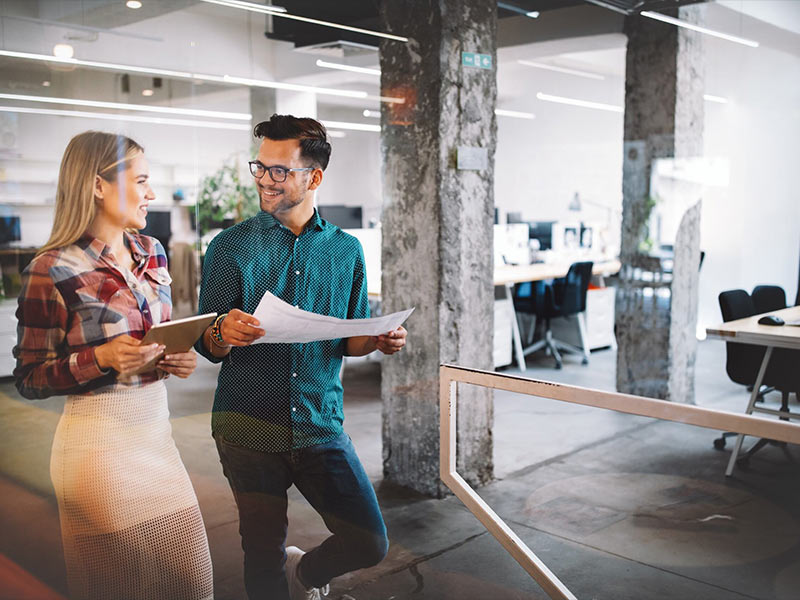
{"x":315,"y":180}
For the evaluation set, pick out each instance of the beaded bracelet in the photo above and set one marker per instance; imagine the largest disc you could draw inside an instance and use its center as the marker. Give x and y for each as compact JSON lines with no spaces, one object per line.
{"x":216,"y":331}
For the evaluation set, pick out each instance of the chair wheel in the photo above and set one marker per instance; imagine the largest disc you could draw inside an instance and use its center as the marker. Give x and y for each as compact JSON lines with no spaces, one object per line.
{"x":558,"y":365}
{"x":585,"y":361}
{"x":719,"y":443}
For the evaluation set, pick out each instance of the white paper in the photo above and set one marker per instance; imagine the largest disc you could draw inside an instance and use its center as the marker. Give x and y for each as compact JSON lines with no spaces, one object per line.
{"x":287,"y":324}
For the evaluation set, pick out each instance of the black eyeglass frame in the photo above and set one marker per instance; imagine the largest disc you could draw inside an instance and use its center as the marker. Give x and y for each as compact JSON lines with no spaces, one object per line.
{"x":257,"y":165}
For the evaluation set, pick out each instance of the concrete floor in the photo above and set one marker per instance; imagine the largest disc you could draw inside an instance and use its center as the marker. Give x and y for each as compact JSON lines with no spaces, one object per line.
{"x":619,"y":507}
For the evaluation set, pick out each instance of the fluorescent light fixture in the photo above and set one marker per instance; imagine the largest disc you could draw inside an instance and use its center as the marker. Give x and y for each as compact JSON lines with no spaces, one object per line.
{"x":124,"y":106}
{"x":281,"y":12}
{"x":351,"y":126}
{"x":341,"y":67}
{"x":131,"y":118}
{"x":147,"y":92}
{"x":46,"y":83}
{"x":336,"y":134}
{"x":538,"y":65}
{"x":693,"y":27}
{"x":717,"y":99}
{"x":63,"y":51}
{"x":186,"y":75}
{"x":501,"y":112}
{"x":533,"y":14}
{"x":134,"y":4}
{"x":581,"y":103}
{"x":373,"y":114}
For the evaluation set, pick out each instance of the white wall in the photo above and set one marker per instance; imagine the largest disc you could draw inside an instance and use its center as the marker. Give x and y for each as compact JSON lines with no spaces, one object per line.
{"x":751,"y":229}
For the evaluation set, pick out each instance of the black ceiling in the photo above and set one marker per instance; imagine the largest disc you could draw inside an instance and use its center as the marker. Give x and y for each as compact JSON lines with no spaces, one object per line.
{"x":365,"y":14}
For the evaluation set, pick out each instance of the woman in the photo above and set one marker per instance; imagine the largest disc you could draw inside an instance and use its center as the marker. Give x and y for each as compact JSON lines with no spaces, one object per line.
{"x":130,"y":523}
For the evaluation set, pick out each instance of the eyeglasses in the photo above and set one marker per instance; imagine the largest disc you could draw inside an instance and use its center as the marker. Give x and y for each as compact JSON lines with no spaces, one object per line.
{"x":277,"y":174}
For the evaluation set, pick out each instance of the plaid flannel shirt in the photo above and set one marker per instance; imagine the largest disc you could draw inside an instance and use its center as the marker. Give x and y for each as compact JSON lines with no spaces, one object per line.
{"x":76,"y":298}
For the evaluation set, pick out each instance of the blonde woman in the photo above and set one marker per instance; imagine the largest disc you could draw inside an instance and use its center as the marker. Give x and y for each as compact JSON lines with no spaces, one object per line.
{"x":130,"y":523}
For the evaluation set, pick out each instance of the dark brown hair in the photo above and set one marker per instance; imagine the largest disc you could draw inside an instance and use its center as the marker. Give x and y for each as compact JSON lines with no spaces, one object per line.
{"x":313,"y":137}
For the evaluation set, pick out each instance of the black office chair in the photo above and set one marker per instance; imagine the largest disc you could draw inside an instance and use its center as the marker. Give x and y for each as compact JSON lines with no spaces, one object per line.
{"x":767,"y":298}
{"x":743,"y":362}
{"x":561,"y":298}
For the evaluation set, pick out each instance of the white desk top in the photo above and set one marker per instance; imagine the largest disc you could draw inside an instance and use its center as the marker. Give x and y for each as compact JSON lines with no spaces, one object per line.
{"x":521,"y":273}
{"x":748,"y":331}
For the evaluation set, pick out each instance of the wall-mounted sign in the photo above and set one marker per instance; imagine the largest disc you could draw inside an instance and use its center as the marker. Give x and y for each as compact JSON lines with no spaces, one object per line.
{"x":471,"y":158}
{"x":479,"y":61}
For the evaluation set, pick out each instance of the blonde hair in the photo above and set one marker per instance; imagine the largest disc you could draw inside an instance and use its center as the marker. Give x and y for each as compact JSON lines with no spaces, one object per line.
{"x":88,"y":155}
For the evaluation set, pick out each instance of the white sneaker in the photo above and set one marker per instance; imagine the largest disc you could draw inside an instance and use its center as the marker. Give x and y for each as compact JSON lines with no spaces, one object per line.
{"x":297,"y":591}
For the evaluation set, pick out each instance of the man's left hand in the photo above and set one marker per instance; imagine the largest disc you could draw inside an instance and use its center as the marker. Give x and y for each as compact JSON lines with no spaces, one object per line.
{"x":391,"y":342}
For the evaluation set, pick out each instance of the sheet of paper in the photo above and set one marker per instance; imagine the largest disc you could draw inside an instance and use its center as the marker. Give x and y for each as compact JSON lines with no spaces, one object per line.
{"x":285,"y":323}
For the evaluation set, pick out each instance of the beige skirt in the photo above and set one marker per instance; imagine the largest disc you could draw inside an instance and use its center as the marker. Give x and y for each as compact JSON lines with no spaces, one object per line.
{"x":130,"y":523}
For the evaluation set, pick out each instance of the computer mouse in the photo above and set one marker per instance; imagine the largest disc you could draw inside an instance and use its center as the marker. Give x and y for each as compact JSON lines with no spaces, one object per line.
{"x":770,"y":320}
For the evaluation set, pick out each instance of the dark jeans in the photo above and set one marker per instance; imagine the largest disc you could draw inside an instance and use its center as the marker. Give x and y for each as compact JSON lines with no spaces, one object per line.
{"x":331,"y":478}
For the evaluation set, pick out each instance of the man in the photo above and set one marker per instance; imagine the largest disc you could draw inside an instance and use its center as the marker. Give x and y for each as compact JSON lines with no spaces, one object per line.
{"x":277,"y":416}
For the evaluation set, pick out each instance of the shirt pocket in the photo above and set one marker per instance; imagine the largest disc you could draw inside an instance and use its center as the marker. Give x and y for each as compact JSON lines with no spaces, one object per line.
{"x":99,"y":298}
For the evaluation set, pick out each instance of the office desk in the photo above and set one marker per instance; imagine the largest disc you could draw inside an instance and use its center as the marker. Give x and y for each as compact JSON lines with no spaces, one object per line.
{"x":748,"y":331}
{"x":507,"y":275}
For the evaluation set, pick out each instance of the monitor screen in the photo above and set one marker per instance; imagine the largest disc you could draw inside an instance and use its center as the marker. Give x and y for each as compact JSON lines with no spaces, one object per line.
{"x":159,"y":225}
{"x":9,"y":229}
{"x":345,"y":217}
{"x":542,"y":231}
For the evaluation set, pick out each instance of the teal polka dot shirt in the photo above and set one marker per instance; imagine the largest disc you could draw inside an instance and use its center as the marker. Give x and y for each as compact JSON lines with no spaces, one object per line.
{"x":277,"y":397}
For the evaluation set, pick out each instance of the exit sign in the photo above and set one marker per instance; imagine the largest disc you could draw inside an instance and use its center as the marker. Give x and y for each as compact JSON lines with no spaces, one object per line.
{"x":478,"y":61}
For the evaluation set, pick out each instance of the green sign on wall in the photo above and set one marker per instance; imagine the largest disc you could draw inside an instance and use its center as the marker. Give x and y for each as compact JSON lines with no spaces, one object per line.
{"x":478,"y":61}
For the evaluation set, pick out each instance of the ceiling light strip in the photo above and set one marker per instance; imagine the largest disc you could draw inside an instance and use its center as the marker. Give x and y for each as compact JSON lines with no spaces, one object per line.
{"x":186,"y":75}
{"x":581,"y":103}
{"x":717,"y":99}
{"x":501,"y":112}
{"x":352,"y":126}
{"x":538,"y":65}
{"x":366,"y":70}
{"x":271,"y":11}
{"x":123,"y":106}
{"x":693,"y":27}
{"x":131,"y":118}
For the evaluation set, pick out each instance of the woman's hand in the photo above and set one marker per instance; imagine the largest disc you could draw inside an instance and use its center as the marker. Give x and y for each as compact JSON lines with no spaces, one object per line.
{"x":391,"y":342}
{"x":180,"y":364}
{"x":125,"y":354}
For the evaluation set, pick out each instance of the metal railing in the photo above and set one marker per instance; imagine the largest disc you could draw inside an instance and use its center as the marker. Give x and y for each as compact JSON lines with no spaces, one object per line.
{"x":450,"y":375}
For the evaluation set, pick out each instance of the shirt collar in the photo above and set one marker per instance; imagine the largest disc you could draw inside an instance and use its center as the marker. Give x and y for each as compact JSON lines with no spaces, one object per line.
{"x":97,"y":248}
{"x":316,"y":222}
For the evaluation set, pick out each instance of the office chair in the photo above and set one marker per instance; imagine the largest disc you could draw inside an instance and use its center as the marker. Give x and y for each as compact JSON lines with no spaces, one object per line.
{"x":768,"y":298}
{"x":561,"y":298}
{"x":743,"y":362}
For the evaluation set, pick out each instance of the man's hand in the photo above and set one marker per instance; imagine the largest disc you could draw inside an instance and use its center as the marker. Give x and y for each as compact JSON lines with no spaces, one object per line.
{"x":391,"y":342}
{"x":180,"y":364}
{"x":240,"y":329}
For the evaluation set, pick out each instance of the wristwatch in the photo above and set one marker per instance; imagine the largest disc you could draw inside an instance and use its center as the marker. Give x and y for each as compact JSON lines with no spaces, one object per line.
{"x":216,"y":331}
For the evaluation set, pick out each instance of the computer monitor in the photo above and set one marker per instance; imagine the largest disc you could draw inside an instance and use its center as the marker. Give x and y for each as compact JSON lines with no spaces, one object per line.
{"x":159,"y":226}
{"x":346,"y":217}
{"x":543,"y":232}
{"x":9,"y":229}
{"x":514,"y":217}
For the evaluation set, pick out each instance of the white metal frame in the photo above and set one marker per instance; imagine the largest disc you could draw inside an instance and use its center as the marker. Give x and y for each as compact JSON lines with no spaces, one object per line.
{"x":450,"y":375}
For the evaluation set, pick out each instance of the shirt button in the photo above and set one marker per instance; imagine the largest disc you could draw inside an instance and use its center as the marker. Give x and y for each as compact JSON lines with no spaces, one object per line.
{"x":297,"y":272}
{"x":294,"y":409}
{"x":294,"y":374}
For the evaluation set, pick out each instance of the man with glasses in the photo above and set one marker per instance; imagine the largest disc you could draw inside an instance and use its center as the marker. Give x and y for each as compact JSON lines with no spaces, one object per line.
{"x":277,"y":417}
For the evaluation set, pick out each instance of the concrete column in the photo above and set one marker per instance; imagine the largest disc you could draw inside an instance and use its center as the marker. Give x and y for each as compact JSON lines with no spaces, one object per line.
{"x":437,"y":230}
{"x":663,"y":120}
